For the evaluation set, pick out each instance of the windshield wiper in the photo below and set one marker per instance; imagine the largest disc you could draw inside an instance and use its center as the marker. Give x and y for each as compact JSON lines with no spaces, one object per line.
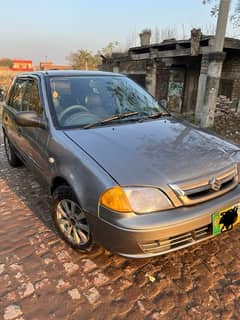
{"x":107,"y":120}
{"x":158,"y":115}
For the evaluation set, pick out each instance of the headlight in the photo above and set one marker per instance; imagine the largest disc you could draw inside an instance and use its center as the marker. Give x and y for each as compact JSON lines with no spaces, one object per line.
{"x":135,"y":199}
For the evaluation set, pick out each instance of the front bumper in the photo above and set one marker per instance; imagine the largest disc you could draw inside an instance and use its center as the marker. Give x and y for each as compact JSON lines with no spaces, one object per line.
{"x":140,"y":236}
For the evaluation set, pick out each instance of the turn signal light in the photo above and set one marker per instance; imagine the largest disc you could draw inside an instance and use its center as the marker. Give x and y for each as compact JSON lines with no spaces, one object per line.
{"x":115,"y":199}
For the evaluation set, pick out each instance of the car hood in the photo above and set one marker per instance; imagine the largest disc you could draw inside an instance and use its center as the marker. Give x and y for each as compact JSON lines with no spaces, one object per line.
{"x":155,"y":152}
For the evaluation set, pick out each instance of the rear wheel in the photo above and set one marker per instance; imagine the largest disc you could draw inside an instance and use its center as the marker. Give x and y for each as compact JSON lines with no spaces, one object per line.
{"x":70,"y":220}
{"x":11,"y":155}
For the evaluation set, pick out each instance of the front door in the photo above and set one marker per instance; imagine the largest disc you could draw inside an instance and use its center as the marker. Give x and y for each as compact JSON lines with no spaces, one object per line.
{"x":13,"y":106}
{"x":35,"y":139}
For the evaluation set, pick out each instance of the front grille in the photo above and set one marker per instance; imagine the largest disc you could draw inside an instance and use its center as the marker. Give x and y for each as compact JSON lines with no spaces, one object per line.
{"x":182,"y":240}
{"x":201,"y":189}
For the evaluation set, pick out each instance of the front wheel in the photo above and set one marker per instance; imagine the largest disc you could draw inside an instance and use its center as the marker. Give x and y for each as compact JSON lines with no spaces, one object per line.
{"x":70,"y":220}
{"x":11,"y":155}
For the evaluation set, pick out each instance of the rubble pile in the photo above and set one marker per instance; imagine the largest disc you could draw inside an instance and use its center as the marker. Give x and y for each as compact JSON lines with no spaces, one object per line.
{"x":224,"y":105}
{"x":227,"y":120}
{"x":227,"y":125}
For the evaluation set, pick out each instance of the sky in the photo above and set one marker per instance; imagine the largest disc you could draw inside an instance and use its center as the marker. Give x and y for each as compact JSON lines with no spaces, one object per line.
{"x":43,"y":30}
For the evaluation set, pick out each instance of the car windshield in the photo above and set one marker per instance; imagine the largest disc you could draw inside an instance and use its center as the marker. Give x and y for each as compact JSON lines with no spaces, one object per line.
{"x":86,"y":101}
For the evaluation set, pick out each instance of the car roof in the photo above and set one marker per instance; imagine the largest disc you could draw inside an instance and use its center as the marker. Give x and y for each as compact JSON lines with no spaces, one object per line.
{"x":68,"y":73}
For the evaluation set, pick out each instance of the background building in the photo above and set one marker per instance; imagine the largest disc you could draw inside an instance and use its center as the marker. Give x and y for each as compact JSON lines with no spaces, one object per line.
{"x":48,"y":65}
{"x":22,"y":65}
{"x":7,"y":73}
{"x":175,"y":71}
{"x":19,"y":65}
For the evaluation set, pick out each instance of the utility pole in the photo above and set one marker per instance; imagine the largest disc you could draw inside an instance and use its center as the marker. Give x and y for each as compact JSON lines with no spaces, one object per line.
{"x":216,"y":58}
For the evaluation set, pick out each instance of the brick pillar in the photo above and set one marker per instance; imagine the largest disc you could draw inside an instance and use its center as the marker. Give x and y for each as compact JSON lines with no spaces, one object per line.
{"x":216,"y":60}
{"x":201,"y":87}
{"x":145,"y":37}
{"x":162,"y":81}
{"x":116,"y":68}
{"x":195,"y":41}
{"x":151,"y":77}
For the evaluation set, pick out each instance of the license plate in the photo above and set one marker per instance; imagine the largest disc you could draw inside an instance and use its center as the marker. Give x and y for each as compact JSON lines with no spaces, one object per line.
{"x":226,"y":219}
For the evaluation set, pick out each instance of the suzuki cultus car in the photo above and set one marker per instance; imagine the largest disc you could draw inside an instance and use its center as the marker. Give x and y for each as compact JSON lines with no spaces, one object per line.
{"x":122,"y":171}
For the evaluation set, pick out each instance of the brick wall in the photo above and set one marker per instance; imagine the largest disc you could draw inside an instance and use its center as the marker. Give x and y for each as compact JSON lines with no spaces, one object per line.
{"x":231,"y":67}
{"x":231,"y":71}
{"x":163,"y":73}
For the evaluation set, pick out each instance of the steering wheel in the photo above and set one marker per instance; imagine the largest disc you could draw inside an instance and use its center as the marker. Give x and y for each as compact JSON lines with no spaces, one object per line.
{"x":72,"y":109}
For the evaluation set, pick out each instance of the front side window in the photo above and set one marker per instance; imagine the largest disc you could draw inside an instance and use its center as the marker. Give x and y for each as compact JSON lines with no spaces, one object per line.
{"x":31,"y":100}
{"x":79,"y":101}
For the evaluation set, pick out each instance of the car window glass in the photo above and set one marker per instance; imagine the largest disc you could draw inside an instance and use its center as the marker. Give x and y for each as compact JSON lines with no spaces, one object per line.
{"x":79,"y":101}
{"x":15,"y":99}
{"x":31,"y":100}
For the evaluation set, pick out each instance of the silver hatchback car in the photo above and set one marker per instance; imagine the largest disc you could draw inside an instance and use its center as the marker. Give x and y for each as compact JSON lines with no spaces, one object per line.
{"x":122,"y":171}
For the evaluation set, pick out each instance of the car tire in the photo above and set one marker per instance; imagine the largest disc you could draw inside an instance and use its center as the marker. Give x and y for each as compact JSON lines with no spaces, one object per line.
{"x":70,"y":220}
{"x":11,"y":155}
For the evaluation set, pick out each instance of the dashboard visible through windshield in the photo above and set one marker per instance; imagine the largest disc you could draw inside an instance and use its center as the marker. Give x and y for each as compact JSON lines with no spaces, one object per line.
{"x":86,"y":101}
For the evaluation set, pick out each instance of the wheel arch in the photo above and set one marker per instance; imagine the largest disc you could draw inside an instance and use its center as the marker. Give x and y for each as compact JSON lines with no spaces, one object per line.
{"x":57,"y":182}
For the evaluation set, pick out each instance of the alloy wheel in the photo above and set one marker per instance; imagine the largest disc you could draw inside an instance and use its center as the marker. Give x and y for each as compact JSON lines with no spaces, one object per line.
{"x":72,"y":222}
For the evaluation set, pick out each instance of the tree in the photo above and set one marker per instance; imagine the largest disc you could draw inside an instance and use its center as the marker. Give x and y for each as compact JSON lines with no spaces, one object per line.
{"x":6,"y":62}
{"x":235,"y":17}
{"x":83,"y":60}
{"x":235,"y":12}
{"x":108,"y":50}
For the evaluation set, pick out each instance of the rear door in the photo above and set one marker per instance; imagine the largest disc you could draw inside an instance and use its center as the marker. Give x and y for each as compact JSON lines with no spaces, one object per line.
{"x":14,"y":105}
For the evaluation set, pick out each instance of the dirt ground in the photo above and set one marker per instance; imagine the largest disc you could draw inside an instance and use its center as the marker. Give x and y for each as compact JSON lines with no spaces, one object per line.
{"x":228,"y":126}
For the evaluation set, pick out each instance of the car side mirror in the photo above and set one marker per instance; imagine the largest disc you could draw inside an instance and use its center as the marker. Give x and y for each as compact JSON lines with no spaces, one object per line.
{"x":30,"y":119}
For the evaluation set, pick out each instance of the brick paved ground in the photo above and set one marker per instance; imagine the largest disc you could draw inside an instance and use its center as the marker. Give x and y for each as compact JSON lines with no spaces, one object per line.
{"x":42,"y":278}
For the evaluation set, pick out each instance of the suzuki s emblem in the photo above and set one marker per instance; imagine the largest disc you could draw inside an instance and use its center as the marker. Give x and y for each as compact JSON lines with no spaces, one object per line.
{"x":215,"y":184}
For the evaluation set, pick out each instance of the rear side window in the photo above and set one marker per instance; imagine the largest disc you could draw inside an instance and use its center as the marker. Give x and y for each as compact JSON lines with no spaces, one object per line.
{"x":31,"y":100}
{"x":16,"y":94}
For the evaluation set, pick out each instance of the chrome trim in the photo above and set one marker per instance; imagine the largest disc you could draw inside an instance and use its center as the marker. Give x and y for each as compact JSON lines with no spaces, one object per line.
{"x":177,"y":242}
{"x":215,"y":184}
{"x":206,"y":188}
